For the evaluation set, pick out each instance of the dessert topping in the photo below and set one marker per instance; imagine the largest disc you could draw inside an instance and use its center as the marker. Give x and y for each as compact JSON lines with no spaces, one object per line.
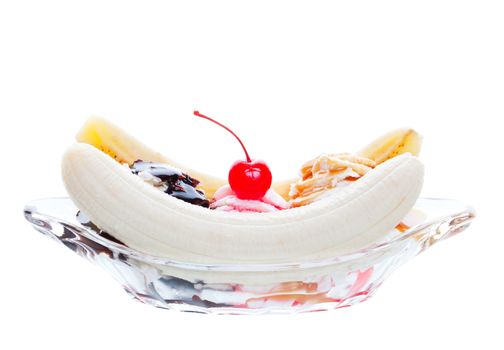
{"x":249,"y":179}
{"x":327,"y":172}
{"x":171,"y":181}
{"x":226,"y":200}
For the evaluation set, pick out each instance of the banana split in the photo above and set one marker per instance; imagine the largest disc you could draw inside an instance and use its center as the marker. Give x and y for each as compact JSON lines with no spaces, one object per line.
{"x":341,"y":202}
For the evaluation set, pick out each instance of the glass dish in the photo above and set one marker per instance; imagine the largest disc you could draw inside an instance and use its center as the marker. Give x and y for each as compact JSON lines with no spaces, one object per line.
{"x":252,"y":289}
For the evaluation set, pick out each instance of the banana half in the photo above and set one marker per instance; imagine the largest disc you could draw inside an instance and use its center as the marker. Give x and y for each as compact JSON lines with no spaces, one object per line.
{"x":152,"y":222}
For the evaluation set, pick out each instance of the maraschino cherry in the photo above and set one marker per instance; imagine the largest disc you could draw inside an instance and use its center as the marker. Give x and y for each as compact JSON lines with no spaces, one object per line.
{"x":249,"y":179}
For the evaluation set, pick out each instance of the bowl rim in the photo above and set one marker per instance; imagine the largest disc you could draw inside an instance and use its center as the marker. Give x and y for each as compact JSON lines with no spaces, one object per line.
{"x":89,"y":233}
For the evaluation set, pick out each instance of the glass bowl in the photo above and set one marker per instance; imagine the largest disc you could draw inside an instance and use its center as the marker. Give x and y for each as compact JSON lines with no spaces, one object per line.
{"x":308,"y":286}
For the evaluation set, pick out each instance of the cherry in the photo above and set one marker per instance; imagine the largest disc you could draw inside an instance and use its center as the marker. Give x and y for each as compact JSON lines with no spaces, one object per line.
{"x":249,"y":179}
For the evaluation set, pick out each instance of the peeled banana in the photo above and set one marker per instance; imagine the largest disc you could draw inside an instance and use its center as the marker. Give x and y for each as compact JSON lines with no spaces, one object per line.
{"x":392,"y":144}
{"x":155,"y":223}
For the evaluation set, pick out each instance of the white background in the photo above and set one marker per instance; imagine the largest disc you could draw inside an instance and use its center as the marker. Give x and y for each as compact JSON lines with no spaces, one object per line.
{"x":293,"y":78}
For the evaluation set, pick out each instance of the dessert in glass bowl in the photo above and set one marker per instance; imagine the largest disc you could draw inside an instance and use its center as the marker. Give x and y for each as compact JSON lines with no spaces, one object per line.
{"x":180,"y":239}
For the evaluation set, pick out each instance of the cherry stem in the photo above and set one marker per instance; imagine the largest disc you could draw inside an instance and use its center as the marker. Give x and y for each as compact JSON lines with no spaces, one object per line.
{"x":198,"y":114}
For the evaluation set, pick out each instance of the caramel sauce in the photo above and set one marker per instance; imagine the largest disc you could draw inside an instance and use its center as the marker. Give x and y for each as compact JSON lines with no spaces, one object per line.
{"x":402,"y":227}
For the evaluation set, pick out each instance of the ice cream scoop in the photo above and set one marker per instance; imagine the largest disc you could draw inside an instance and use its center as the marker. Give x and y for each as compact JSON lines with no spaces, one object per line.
{"x":225,"y":199}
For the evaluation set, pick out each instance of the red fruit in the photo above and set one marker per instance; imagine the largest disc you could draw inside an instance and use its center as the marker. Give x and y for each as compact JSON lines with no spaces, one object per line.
{"x":249,"y":179}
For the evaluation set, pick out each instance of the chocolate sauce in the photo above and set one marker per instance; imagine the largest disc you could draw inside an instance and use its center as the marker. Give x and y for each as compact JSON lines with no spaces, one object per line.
{"x":178,"y":184}
{"x":186,"y":292}
{"x":85,"y":221}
